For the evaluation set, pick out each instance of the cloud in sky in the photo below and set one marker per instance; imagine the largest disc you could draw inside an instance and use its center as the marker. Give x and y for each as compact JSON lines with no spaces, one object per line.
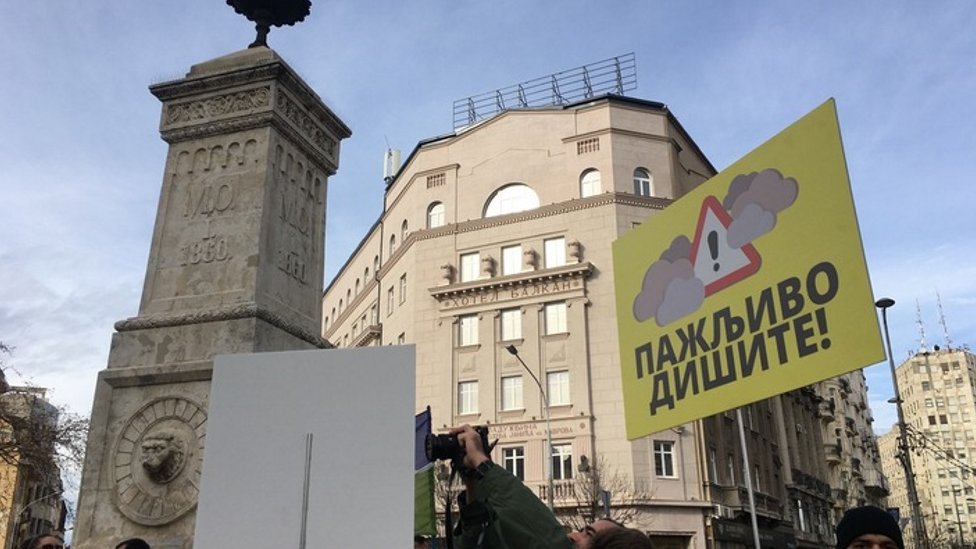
{"x":83,"y":161}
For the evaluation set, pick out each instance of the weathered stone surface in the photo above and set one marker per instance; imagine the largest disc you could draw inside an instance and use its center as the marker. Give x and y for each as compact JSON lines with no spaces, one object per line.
{"x":235,"y":266}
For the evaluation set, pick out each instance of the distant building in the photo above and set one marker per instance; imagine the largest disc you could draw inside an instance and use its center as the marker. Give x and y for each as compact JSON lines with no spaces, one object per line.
{"x":30,"y":485}
{"x":938,"y":392}
{"x":855,"y":473}
{"x":500,"y":235}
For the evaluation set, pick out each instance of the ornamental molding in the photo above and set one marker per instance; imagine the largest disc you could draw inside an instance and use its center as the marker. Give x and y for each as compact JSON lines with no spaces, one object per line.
{"x":306,"y":125}
{"x":218,"y":106}
{"x":575,"y":271}
{"x":219,"y":314}
{"x":220,"y":127}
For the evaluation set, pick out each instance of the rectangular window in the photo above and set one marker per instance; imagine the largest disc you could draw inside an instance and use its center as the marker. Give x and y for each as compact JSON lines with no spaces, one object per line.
{"x":513,"y":459}
{"x":512,"y":259}
{"x":554,"y":252}
{"x":555,"y":318}
{"x":403,"y":288}
{"x":389,"y":301}
{"x":730,"y":470}
{"x":713,"y":464}
{"x":558,"y":388}
{"x":664,"y":458}
{"x":467,"y":397}
{"x":801,"y":515}
{"x":470,"y":267}
{"x":468,"y":330}
{"x":562,"y":461}
{"x":756,"y":480}
{"x":511,"y":321}
{"x":512,"y":393}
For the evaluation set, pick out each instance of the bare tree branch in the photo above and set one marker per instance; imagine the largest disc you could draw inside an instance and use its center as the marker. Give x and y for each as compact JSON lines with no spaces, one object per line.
{"x":36,"y":435}
{"x":588,"y":489}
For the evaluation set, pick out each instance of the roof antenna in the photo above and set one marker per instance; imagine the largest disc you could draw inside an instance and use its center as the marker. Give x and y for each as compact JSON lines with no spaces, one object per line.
{"x":391,"y":162}
{"x":942,"y":320}
{"x":921,"y":328}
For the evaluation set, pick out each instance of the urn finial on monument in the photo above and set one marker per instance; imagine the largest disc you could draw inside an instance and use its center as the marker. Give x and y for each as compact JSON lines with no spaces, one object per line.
{"x":268,"y":13}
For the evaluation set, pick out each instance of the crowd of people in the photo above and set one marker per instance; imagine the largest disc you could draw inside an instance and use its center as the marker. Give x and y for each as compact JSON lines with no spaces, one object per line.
{"x":54,"y":541}
{"x":499,"y":512}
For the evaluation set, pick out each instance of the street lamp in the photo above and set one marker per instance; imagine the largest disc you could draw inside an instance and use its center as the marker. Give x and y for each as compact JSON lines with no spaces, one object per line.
{"x":884,"y":303}
{"x":25,"y":508}
{"x":545,"y":399}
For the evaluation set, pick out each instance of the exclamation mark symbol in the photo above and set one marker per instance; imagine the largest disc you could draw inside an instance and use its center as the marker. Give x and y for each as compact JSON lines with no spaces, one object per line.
{"x":713,"y":248}
{"x":821,"y":316}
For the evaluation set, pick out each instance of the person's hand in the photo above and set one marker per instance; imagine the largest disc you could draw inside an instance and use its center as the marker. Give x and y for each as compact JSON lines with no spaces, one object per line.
{"x":470,"y":442}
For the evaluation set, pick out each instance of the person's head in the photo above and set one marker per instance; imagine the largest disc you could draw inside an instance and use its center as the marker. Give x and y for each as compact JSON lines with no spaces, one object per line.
{"x":620,"y":538}
{"x":583,"y":537}
{"x":43,"y":541}
{"x":868,"y":528}
{"x":134,"y":543}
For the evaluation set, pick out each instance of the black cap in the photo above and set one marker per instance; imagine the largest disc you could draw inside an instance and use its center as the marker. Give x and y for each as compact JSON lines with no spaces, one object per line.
{"x":867,"y":520}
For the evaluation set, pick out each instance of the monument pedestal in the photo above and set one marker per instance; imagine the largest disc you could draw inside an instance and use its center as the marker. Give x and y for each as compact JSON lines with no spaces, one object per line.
{"x":235,"y":266}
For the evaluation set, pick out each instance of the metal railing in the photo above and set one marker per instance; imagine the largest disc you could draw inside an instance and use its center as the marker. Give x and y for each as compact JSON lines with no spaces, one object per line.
{"x":614,"y":75}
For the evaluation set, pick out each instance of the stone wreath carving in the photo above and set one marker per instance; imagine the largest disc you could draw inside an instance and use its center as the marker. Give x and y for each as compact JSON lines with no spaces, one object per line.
{"x":156,"y":464}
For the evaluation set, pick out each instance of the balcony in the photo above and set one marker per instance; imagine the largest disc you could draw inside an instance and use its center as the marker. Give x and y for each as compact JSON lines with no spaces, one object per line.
{"x":563,"y":490}
{"x":827,"y":410}
{"x":875,"y":483}
{"x":832,"y":451}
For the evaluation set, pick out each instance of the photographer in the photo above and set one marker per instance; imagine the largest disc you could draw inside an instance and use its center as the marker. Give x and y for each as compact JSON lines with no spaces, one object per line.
{"x":497,"y":510}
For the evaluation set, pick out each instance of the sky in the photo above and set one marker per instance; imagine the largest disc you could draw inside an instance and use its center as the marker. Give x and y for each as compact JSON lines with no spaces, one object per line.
{"x":82,"y":160}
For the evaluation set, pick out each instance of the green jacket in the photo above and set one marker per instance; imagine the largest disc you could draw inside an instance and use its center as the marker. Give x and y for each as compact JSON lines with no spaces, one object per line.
{"x":505,"y":514}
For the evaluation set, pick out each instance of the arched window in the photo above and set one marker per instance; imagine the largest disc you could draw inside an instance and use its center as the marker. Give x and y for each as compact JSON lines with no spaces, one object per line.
{"x":403,"y":231}
{"x":435,"y":215}
{"x":643,"y":182}
{"x":590,"y":183}
{"x":366,"y":276}
{"x":340,"y":306}
{"x":515,"y":197}
{"x":357,"y":286}
{"x":392,"y":245}
{"x":376,"y":264}
{"x":349,"y":297}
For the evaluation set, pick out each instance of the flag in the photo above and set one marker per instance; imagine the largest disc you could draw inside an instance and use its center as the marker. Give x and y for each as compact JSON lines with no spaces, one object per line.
{"x":424,"y":517}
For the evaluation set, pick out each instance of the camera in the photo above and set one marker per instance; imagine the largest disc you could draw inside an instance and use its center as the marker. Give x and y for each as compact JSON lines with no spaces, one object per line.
{"x":447,"y":446}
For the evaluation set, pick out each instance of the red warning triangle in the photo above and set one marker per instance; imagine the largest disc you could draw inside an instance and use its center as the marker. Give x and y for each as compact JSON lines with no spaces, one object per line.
{"x":716,"y":263}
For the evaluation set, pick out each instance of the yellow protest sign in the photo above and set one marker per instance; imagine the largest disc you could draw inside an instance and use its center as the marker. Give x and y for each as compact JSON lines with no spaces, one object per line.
{"x":749,"y":286}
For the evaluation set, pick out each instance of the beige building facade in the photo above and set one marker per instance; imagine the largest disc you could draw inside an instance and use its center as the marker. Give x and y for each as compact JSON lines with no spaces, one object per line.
{"x":938,"y":392}
{"x":855,"y":473}
{"x":499,"y":236}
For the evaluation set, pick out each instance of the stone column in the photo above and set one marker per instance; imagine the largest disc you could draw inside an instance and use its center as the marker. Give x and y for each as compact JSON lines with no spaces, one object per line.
{"x":235,"y":266}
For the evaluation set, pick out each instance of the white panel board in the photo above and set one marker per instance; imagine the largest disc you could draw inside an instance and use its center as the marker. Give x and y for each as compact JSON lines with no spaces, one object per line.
{"x":358,"y":405}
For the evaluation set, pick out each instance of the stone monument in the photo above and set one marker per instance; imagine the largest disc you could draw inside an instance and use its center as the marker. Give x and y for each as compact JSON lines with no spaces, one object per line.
{"x":235,"y":266}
